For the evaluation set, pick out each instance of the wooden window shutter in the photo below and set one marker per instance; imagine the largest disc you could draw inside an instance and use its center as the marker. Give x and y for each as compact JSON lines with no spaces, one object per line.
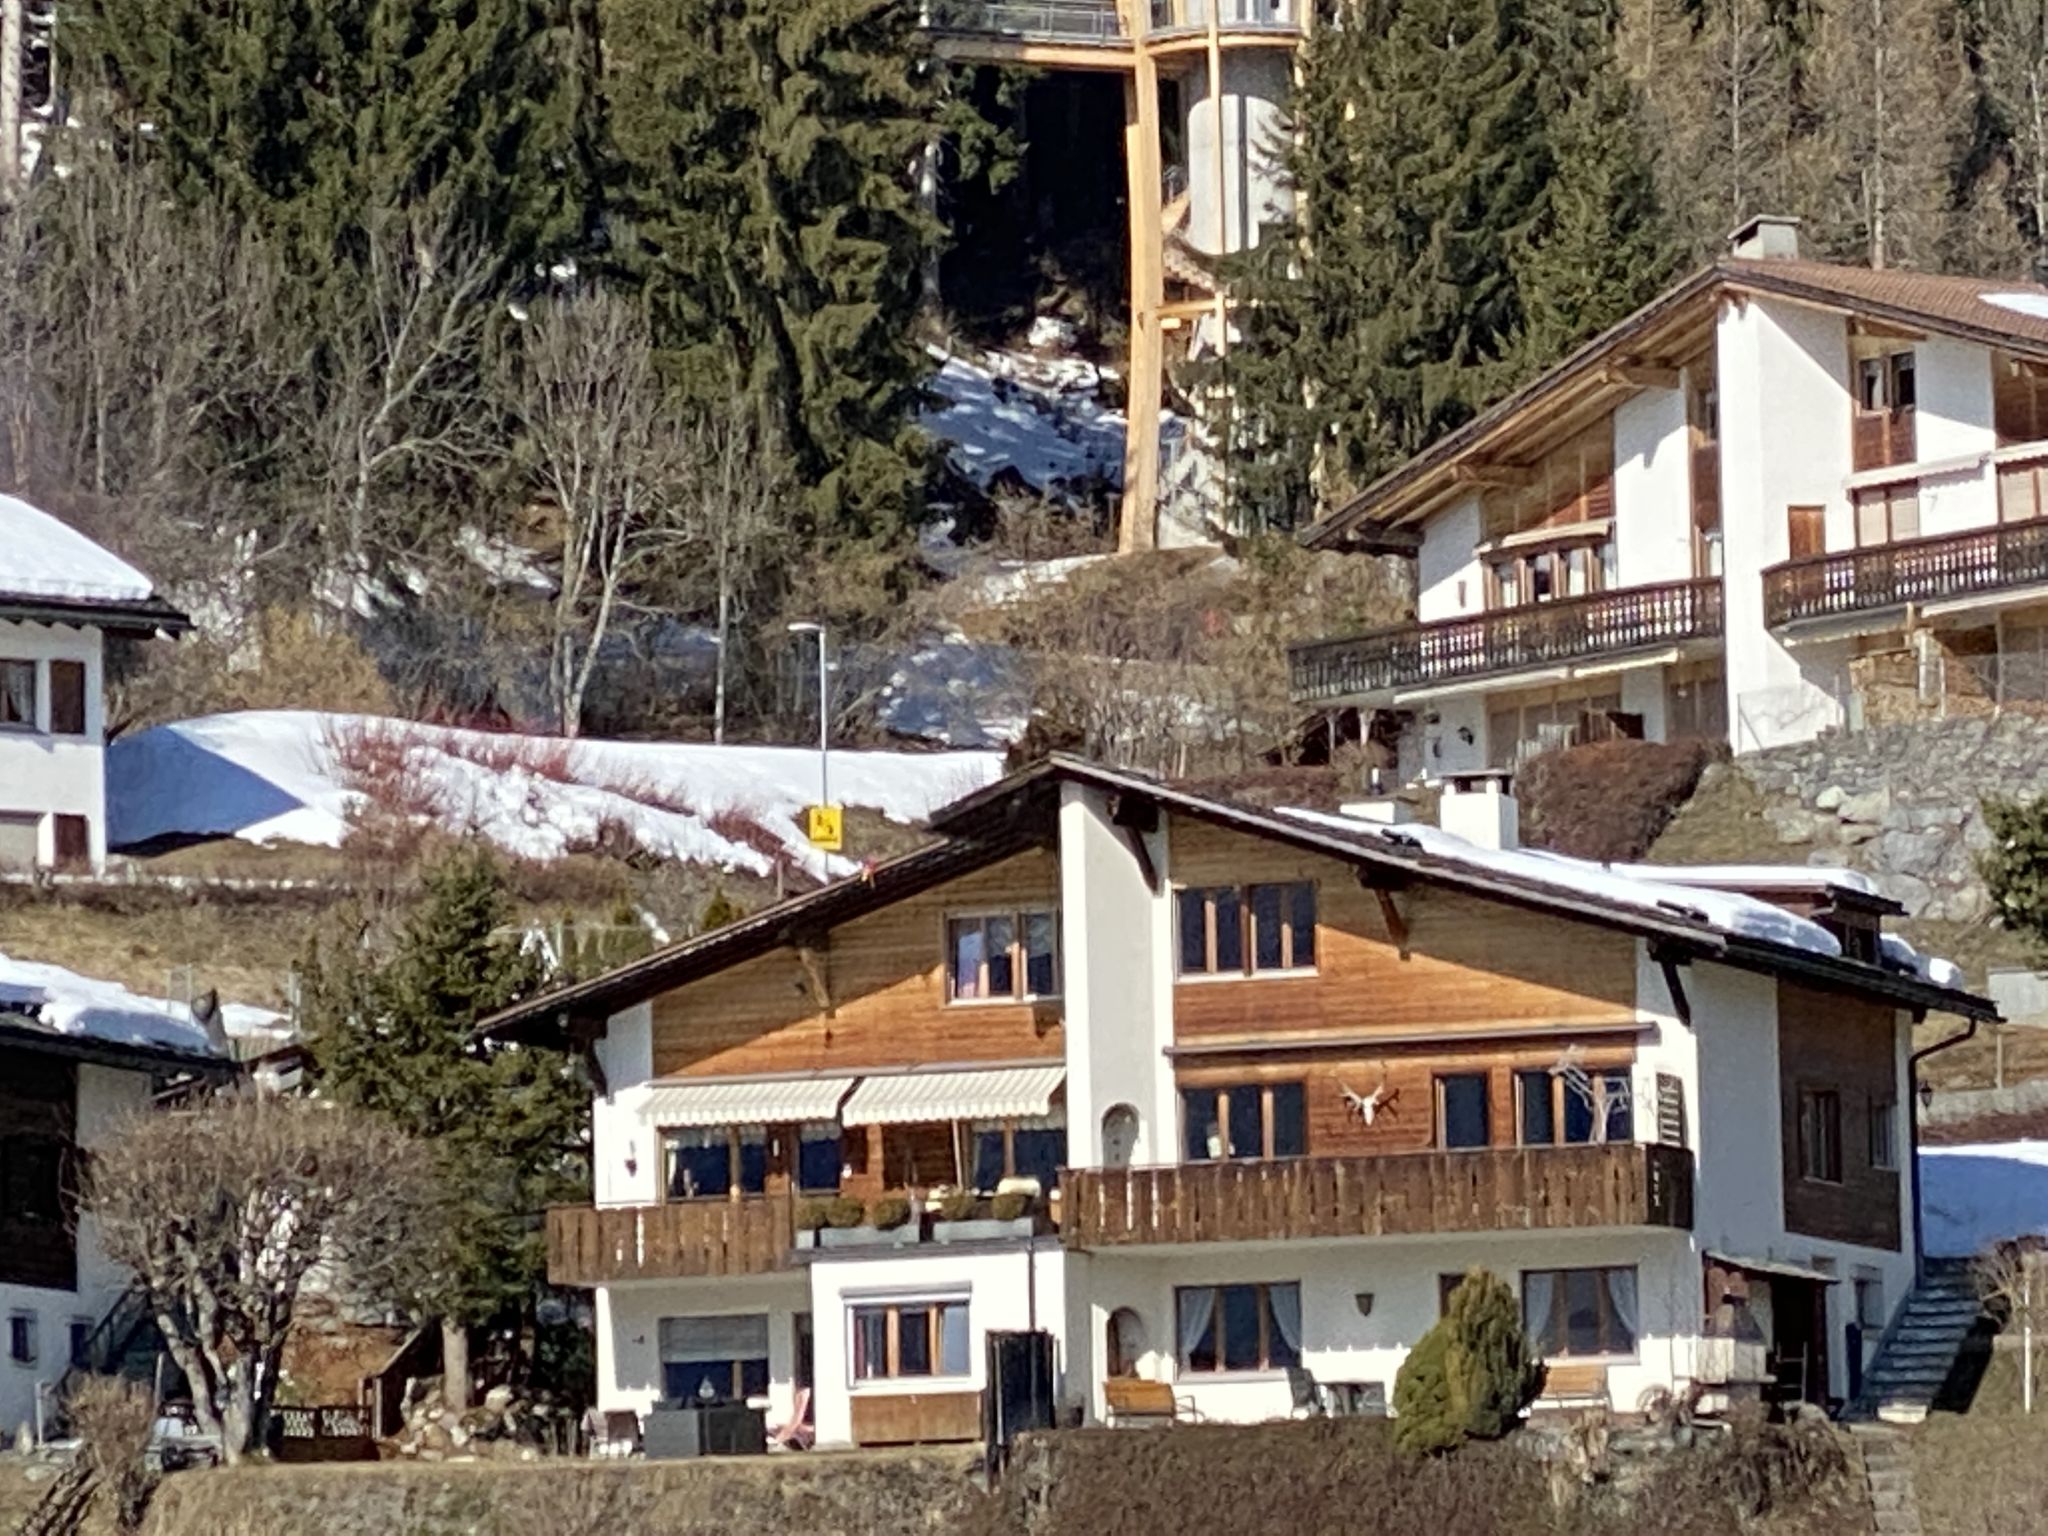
{"x":1599,"y":492}
{"x":1706,"y":484}
{"x":1670,"y":1109}
{"x":1867,"y":445}
{"x":2012,"y":402}
{"x":67,"y":698}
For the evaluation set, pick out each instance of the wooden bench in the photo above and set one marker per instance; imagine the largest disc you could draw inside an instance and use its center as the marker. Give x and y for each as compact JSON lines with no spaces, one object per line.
{"x":1129,"y":1399}
{"x":1573,"y":1386}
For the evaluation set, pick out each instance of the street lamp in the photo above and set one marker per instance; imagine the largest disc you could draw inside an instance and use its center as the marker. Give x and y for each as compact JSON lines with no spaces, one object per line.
{"x":811,"y":627}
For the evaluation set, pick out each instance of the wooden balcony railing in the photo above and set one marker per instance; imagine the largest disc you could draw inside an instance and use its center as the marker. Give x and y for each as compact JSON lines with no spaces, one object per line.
{"x":1507,"y":640}
{"x":1502,"y":1189}
{"x":1909,"y":571}
{"x":596,"y":1245}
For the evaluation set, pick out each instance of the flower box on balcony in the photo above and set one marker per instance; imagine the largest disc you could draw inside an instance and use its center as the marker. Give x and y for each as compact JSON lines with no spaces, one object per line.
{"x":904,"y":1236}
{"x":984,"y":1229}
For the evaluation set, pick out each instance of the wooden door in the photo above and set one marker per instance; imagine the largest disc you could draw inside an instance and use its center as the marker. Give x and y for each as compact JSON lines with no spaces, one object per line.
{"x":1806,"y":531}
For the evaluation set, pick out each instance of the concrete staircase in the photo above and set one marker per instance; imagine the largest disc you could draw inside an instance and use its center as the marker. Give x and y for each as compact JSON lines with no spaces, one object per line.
{"x":1888,"y":1469}
{"x":1918,"y":1353}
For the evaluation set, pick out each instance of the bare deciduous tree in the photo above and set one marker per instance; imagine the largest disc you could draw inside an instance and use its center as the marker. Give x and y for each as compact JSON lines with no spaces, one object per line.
{"x":607,"y":455}
{"x":2014,"y":1276}
{"x":222,"y":1211}
{"x":730,"y":507}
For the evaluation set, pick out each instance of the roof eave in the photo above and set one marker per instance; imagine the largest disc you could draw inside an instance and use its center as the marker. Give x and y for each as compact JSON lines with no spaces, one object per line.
{"x":16,"y":1034}
{"x":150,"y":617}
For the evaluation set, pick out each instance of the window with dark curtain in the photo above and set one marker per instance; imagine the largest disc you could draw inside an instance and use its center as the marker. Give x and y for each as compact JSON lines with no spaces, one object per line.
{"x":1269,"y":939}
{"x":818,"y":1160}
{"x":1247,"y":1122}
{"x":1038,"y":1152}
{"x":1198,"y":1115}
{"x":1464,"y":1111}
{"x":1194,"y":931}
{"x":1290,"y":1120}
{"x":988,"y":1158}
{"x":1229,"y":929}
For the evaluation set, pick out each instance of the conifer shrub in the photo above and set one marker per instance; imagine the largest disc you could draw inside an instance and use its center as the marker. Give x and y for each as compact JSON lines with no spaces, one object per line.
{"x":1469,"y":1377}
{"x":844,"y":1212}
{"x":810,"y":1215}
{"x":957,"y":1205}
{"x":888,"y":1211}
{"x":1010,"y":1205}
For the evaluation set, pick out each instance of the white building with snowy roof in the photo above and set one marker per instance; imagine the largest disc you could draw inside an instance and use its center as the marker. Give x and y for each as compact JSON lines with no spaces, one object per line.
{"x":77,"y":1057}
{"x":61,"y":596}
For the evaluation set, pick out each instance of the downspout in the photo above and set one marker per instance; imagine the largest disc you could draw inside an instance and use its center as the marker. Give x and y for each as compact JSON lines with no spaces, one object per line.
{"x":1913,"y":1128}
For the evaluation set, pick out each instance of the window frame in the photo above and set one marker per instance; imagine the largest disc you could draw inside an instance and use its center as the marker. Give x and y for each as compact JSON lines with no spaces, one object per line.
{"x":1268,"y":1330}
{"x":1007,"y":1127}
{"x":892,"y":1308}
{"x":1438,"y":1083}
{"x":1560,"y":1307}
{"x":16,"y":665}
{"x":24,"y":1347}
{"x":1018,"y":952}
{"x":1268,"y":1124}
{"x":1884,"y":1133}
{"x":71,"y":668}
{"x":1561,"y":1100}
{"x":1248,"y":931}
{"x":1820,"y":1139}
{"x":735,"y":1138}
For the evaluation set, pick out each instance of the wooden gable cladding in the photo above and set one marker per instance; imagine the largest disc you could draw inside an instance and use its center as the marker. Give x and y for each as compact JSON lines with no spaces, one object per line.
{"x":869,"y":993}
{"x":2019,"y":400}
{"x":38,"y":1129}
{"x":1572,"y":483}
{"x":1847,"y":1046}
{"x":1404,"y":1119}
{"x":1458,"y":962}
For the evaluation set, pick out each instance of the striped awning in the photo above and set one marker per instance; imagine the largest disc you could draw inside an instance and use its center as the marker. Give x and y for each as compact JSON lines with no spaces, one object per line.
{"x":908,"y":1097}
{"x":779,"y":1101}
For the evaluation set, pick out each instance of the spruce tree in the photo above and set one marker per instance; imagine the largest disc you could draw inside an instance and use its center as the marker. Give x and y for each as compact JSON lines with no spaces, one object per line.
{"x":393,"y":1032}
{"x":1471,"y":1375}
{"x":1599,"y":247}
{"x":306,"y":120}
{"x":764,"y":156}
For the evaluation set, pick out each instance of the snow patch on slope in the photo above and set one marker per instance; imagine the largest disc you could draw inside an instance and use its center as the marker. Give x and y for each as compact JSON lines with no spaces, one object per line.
{"x":66,"y":1003}
{"x":1038,"y":419}
{"x":281,"y":776}
{"x":42,"y":557}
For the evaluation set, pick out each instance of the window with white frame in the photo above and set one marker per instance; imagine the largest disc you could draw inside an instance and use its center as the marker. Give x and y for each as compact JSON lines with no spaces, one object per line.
{"x":910,"y":1339}
{"x":17,"y":695}
{"x":1003,"y":956}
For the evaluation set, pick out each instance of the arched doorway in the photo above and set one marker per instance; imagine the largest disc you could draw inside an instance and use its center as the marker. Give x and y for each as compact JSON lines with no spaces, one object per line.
{"x":1119,"y":1136}
{"x":1126,"y":1342}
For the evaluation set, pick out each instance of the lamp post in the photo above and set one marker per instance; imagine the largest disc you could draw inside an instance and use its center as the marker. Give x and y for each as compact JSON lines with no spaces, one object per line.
{"x":811,"y":627}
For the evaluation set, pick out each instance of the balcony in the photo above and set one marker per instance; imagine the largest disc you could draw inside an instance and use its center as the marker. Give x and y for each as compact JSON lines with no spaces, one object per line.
{"x":1949,"y":565}
{"x":1501,"y":1189}
{"x":1050,"y":21}
{"x":600,"y":1245}
{"x":1599,"y":625}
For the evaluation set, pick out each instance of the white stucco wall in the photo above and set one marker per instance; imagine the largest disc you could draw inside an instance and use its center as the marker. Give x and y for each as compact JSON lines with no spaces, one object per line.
{"x":56,"y":775}
{"x":1339,"y":1343}
{"x":625,"y":1150}
{"x":106,"y":1096}
{"x":1448,"y":580}
{"x":1226,"y":213}
{"x":1784,"y":442}
{"x":1016,"y":1286}
{"x":1953,"y":415}
{"x":1116,"y":948}
{"x":629,"y":1333}
{"x":1652,"y":489}
{"x":1738,"y":1205}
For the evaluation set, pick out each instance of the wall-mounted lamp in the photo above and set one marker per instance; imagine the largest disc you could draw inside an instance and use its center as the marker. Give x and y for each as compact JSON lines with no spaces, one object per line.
{"x":1363,"y":1301}
{"x":1465,"y":734}
{"x":1926,"y":1096}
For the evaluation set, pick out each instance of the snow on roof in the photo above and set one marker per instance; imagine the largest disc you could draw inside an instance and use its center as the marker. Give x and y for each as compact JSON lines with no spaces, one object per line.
{"x":1730,"y":911}
{"x":46,"y":558}
{"x":1744,"y":877}
{"x":279,"y":776}
{"x":82,"y":1007}
{"x":1975,"y":1196}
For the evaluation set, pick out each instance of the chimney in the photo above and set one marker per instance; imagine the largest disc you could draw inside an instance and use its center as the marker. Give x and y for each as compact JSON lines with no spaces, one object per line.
{"x":1380,"y":805}
{"x":1767,"y":237}
{"x":1480,"y":808}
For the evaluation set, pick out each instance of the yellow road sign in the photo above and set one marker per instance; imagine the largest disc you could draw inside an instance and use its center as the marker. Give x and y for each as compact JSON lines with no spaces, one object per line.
{"x":825,"y":827}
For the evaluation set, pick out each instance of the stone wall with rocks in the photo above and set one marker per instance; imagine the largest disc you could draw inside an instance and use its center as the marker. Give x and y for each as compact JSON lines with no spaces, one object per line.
{"x":1901,"y":803}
